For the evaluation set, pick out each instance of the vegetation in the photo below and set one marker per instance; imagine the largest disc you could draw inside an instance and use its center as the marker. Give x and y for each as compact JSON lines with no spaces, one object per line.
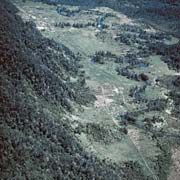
{"x":35,"y":141}
{"x":43,"y":88}
{"x":75,"y":25}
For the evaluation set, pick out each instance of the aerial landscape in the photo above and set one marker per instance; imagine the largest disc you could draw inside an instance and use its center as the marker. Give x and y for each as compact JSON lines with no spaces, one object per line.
{"x":89,"y":90}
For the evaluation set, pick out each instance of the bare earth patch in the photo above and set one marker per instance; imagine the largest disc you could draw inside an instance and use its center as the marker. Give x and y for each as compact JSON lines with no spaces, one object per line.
{"x":175,"y":169}
{"x":102,"y":101}
{"x":103,"y":94}
{"x":134,"y":135}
